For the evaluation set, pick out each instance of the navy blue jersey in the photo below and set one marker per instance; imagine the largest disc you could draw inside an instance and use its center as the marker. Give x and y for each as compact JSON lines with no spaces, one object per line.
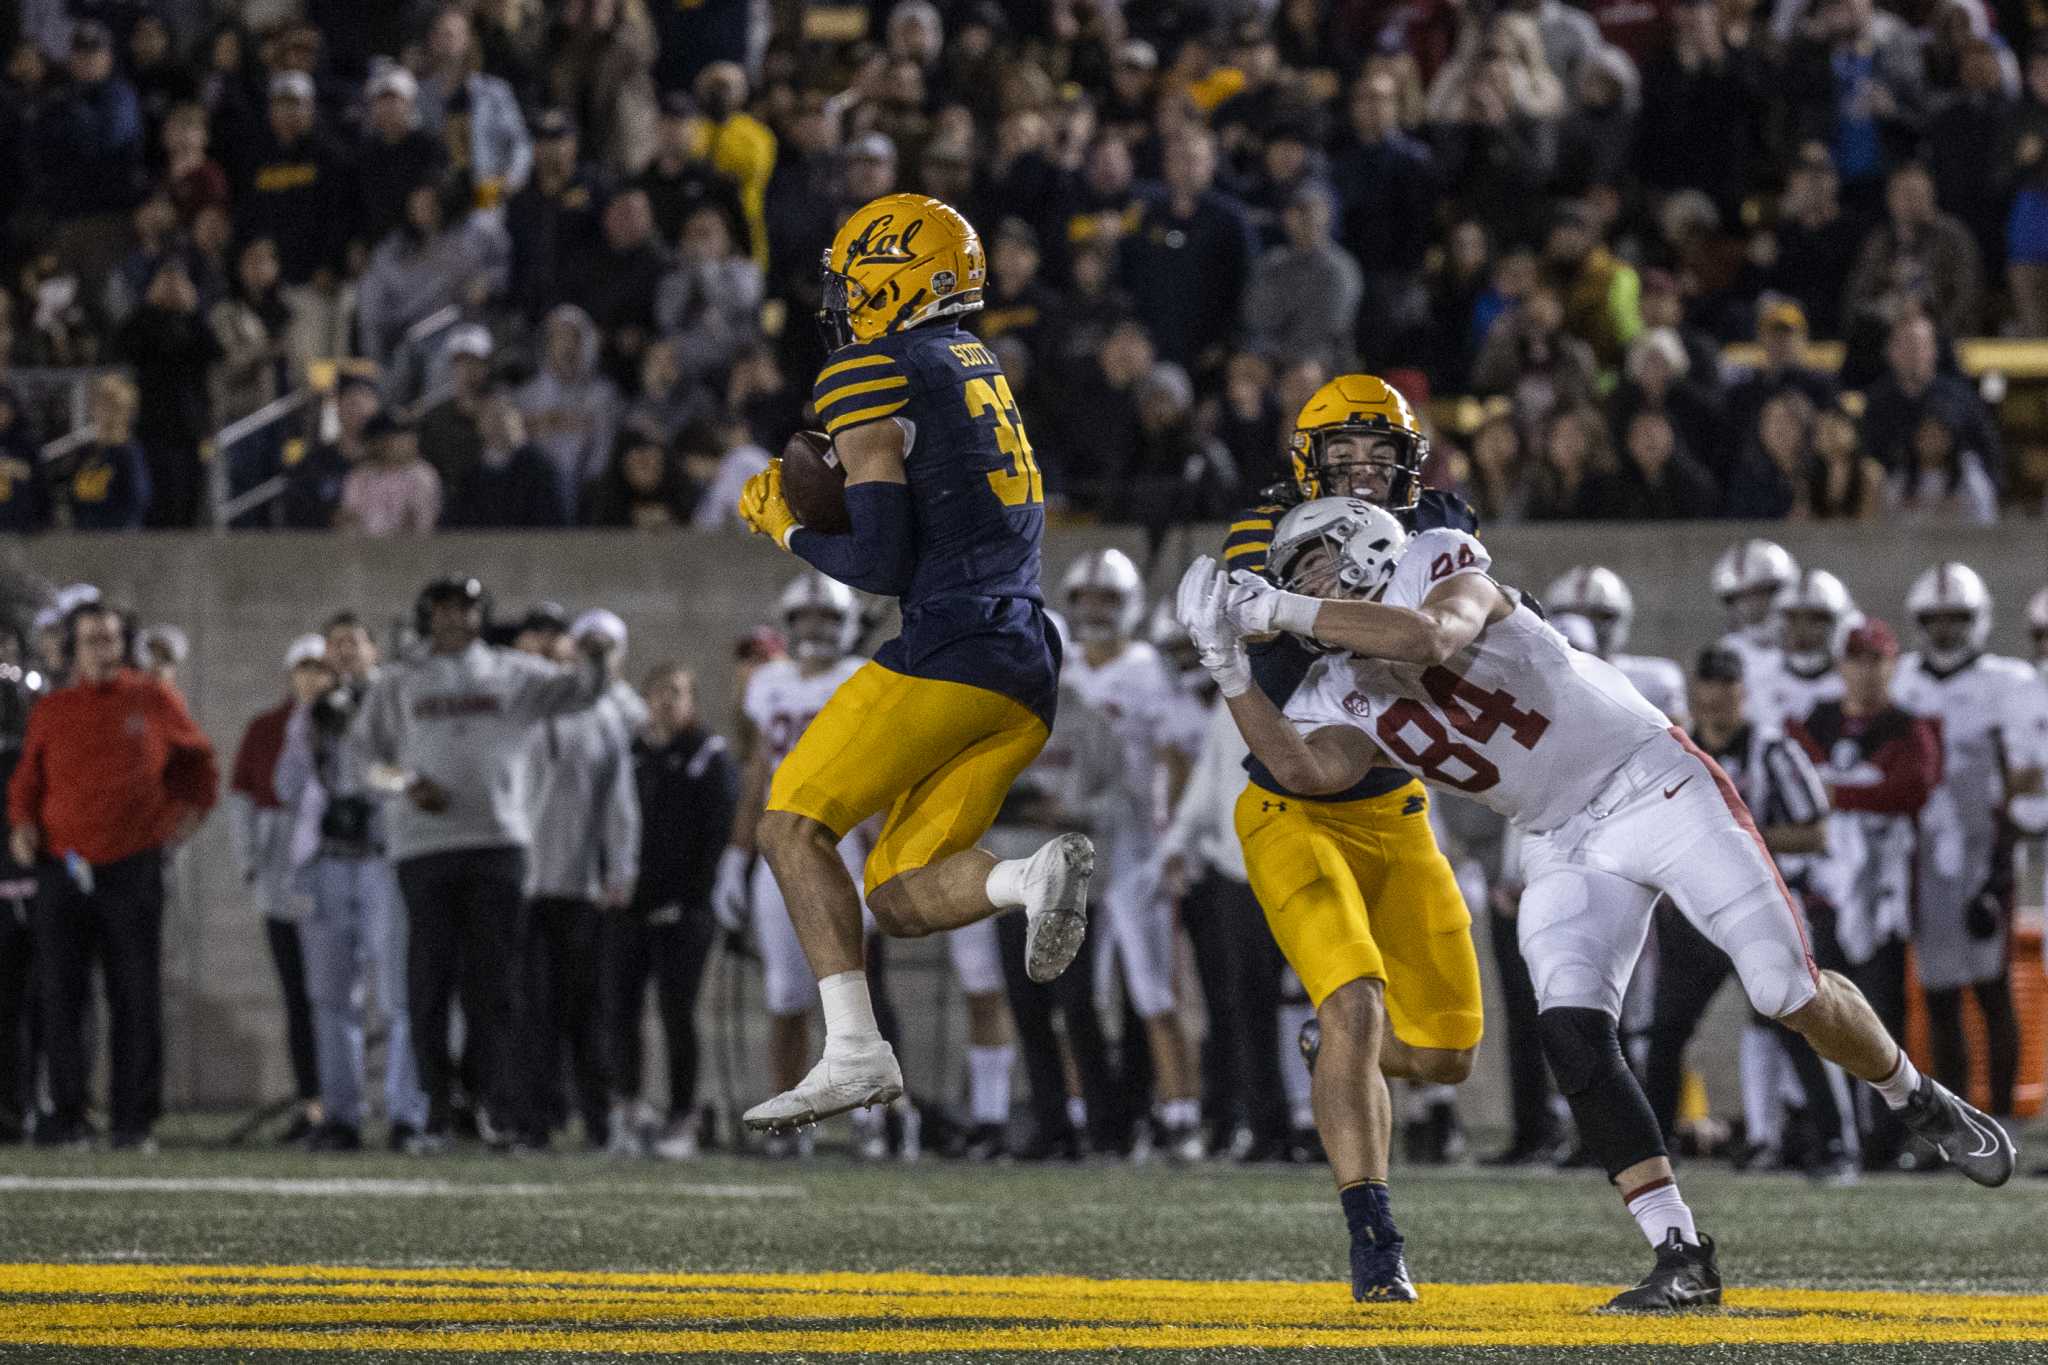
{"x":975,"y":610}
{"x":1280,"y":664}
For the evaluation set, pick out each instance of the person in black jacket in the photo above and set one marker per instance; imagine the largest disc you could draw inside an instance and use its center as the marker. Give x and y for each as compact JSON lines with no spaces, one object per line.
{"x":689,"y":788}
{"x":172,"y":349}
{"x":297,"y":187}
{"x":511,"y":483}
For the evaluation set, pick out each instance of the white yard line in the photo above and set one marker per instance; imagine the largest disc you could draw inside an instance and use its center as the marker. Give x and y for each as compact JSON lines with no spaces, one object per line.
{"x":351,"y":1188}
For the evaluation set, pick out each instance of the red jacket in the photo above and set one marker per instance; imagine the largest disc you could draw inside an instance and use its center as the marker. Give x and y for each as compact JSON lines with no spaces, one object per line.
{"x":107,"y":768}
{"x":255,"y":774}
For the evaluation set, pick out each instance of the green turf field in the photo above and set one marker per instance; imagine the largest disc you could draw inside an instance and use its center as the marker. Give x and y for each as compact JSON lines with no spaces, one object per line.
{"x":270,"y":1256}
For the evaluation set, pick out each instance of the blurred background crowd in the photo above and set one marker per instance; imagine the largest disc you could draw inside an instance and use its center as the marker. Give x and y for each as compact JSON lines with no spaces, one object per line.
{"x":388,"y":266}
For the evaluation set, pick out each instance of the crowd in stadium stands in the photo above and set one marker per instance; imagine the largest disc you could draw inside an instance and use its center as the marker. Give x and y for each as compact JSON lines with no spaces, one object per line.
{"x":479,"y":820}
{"x":570,"y":252}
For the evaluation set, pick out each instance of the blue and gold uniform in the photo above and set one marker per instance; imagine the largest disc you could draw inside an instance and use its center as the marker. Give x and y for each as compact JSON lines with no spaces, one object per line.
{"x":1353,"y":883}
{"x":937,"y":727}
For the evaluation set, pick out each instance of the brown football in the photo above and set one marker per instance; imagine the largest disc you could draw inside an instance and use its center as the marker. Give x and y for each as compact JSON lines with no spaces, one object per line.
{"x":814,"y":484}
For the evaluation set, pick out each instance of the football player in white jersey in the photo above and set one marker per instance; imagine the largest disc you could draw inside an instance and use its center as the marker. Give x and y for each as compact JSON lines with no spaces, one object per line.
{"x":1991,"y":717}
{"x":1124,"y":678}
{"x":1813,"y":615}
{"x":820,"y":620}
{"x":1442,"y":670}
{"x":1599,"y":595}
{"x":1747,"y":578}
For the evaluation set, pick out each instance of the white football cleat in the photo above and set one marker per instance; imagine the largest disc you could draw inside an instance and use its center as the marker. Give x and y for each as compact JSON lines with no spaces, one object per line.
{"x":1056,"y":904}
{"x":839,"y":1082}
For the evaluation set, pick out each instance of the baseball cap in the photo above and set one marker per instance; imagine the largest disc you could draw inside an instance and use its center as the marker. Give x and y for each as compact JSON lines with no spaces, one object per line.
{"x":1139,"y":54}
{"x":469,"y":339}
{"x":292,"y":85}
{"x":871,"y":147}
{"x":307,"y":649}
{"x":550,"y":618}
{"x":1783,"y":313}
{"x":1718,"y":664}
{"x":393,"y":79}
{"x":1872,"y":639}
{"x":598,"y":621}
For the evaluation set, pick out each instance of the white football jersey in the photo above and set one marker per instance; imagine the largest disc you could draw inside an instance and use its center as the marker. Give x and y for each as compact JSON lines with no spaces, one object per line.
{"x":1762,"y":662}
{"x":1661,"y":681}
{"x":1518,"y":720}
{"x":1783,"y":695}
{"x":781,"y":702}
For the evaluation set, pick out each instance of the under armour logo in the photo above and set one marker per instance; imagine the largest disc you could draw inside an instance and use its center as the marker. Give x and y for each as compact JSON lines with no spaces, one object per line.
{"x":1413,"y":806}
{"x":1272,"y":805}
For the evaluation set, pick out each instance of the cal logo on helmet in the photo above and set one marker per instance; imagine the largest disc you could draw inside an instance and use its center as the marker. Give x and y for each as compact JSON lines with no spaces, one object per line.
{"x":1359,"y":405}
{"x":897,"y":262}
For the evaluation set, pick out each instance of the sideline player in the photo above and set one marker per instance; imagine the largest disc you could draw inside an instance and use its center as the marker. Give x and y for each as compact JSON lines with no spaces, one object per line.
{"x":1454,"y":677}
{"x":947,"y":512}
{"x":1352,"y":882}
{"x":1598,"y":593}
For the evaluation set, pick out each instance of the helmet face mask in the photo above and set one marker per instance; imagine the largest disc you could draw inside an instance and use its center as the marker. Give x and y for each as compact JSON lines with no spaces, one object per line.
{"x":1750,"y":607}
{"x":1097,"y":615}
{"x":1948,"y":632}
{"x":1357,"y":437}
{"x":816,"y":634}
{"x":1336,"y":547}
{"x":1809,"y":635}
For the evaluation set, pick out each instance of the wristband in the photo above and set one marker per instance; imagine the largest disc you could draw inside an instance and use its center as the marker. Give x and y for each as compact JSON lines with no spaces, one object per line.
{"x":1295,"y":613}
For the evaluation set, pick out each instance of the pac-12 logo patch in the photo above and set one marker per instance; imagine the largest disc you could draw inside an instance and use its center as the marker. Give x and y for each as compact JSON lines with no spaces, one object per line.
{"x":943,"y":282}
{"x":1356,"y":704}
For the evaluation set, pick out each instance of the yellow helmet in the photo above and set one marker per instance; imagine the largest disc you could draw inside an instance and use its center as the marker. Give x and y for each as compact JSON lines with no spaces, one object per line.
{"x":1361,"y":405}
{"x":900,"y":260}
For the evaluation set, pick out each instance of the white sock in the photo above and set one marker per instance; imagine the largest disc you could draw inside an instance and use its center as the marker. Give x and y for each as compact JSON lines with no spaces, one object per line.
{"x":988,"y":1082}
{"x":1179,"y":1113}
{"x":1661,"y":1208}
{"x":1759,"y":1054}
{"x":849,"y":1014}
{"x":1077,"y":1111}
{"x":1898,"y":1087}
{"x":1006,"y":883}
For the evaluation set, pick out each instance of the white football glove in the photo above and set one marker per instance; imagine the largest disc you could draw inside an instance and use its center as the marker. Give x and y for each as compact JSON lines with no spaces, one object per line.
{"x":1256,"y":607}
{"x":1199,"y":606}
{"x":731,"y":898}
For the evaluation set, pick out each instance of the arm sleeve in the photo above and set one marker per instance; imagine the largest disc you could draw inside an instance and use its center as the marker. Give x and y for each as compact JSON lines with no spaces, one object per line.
{"x":622,"y":820}
{"x":865,"y":386}
{"x":541,"y":689}
{"x":879,"y":555}
{"x":1911,"y":765}
{"x":723,"y":801}
{"x":295,"y":760}
{"x":191,"y":776}
{"x":247,"y":777}
{"x":373,"y":738}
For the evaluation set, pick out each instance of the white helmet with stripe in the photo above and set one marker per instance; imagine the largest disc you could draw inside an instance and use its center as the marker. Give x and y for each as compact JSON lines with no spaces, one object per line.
{"x":1598,"y":594}
{"x":813,"y":594}
{"x":1815,"y":593}
{"x":1104,"y":571}
{"x":1363,"y":542}
{"x":1748,"y":577}
{"x":1956,"y":592}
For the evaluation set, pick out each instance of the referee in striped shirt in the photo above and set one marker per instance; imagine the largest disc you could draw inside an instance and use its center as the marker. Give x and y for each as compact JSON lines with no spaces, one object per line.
{"x":1790,"y":802}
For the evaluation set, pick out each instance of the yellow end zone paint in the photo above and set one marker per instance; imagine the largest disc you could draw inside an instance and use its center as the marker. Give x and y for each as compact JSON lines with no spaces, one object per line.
{"x":344,"y":1308}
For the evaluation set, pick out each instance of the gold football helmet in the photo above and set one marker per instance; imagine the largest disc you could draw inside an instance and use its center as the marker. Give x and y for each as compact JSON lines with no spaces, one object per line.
{"x":900,"y":260}
{"x":1359,"y":405}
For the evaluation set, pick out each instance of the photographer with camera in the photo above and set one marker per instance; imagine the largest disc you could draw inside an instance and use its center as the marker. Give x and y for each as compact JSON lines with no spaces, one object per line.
{"x":355,"y":933}
{"x":262,"y":835}
{"x":112,"y":770}
{"x":454,"y":731}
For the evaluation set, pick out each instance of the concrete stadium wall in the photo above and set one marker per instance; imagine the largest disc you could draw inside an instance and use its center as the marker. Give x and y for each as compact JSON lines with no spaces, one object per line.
{"x":688,"y":597}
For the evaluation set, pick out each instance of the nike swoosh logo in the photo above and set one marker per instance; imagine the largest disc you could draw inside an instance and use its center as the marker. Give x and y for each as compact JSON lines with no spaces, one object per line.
{"x":1987,"y":1144}
{"x":1670,"y":792}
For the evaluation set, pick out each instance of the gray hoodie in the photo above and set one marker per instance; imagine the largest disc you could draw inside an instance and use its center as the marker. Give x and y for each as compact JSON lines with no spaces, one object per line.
{"x":466,"y":721}
{"x":586,"y":827}
{"x":572,"y":416}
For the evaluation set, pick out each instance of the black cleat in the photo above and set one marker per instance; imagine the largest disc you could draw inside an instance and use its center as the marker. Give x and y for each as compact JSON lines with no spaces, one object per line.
{"x":1379,"y":1273}
{"x":1685,"y":1277}
{"x":1310,"y":1041}
{"x":1972,"y":1141}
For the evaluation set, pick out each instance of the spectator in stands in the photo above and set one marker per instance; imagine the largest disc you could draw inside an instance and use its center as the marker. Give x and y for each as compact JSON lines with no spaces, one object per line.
{"x":1918,"y":255}
{"x":112,"y":770}
{"x":1664,"y":305}
{"x":24,"y":497}
{"x":263,"y":836}
{"x":1596,"y":142}
{"x":1781,"y":331}
{"x":105,"y":485}
{"x":395,"y":154}
{"x":1099,"y":420}
{"x":1665,"y":482}
{"x":1577,"y":479}
{"x":252,"y":332}
{"x":1177,"y":473}
{"x":643,"y":487}
{"x":192,"y":177}
{"x":680,"y":179}
{"x":708,"y":305}
{"x":554,"y":219}
{"x":1493,"y":107}
{"x":619,"y":281}
{"x":1187,"y":261}
{"x":1808,"y":255}
{"x":571,"y":409}
{"x":740,"y":146}
{"x":1769,"y":479}
{"x":1529,"y":356}
{"x":491,"y":137}
{"x":391,"y":490}
{"x":87,"y":151}
{"x":296,"y":188}
{"x":510,"y":483}
{"x":1706,"y":94}
{"x":1843,"y":482}
{"x":1964,"y":123}
{"x":1247,"y":419}
{"x":1017,"y":303}
{"x":1500,"y":476}
{"x":1657,"y":379}
{"x":1912,"y":389}
{"x":451,"y":435}
{"x":1853,"y":77}
{"x":314,"y":482}
{"x":1601,"y":292}
{"x":1945,"y":480}
{"x":601,"y":59}
{"x":441,"y":255}
{"x":1303,"y":298}
{"x":2023,"y":166}
{"x":1459,"y":283}
{"x":1390,"y":186}
{"x":666,"y":401}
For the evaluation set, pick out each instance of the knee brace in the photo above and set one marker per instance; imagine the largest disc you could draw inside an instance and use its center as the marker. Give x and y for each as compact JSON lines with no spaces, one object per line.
{"x":1614,"y":1117}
